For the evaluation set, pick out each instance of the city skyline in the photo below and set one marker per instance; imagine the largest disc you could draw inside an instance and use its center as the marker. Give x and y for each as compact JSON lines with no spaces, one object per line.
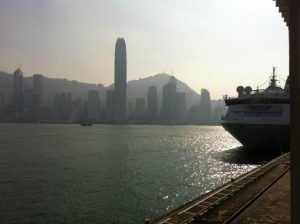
{"x":34,"y":99}
{"x":202,"y":42}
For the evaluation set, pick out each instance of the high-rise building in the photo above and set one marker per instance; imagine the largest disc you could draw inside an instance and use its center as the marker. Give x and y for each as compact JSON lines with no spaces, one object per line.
{"x":38,"y":96}
{"x":120,"y":89}
{"x":109,"y":108}
{"x":205,"y":105}
{"x":93,"y":105}
{"x":18,"y":94}
{"x":152,"y":103}
{"x":168,"y":112}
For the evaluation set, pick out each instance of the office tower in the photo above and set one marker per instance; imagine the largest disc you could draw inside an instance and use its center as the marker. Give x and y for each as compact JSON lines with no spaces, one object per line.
{"x":152,"y":103}
{"x":18,"y":94}
{"x":180,"y":107}
{"x":140,"y":108}
{"x":93,"y":105}
{"x":205,"y":105}
{"x":109,"y":105}
{"x":38,"y":96}
{"x":168,"y":112}
{"x":120,"y":92}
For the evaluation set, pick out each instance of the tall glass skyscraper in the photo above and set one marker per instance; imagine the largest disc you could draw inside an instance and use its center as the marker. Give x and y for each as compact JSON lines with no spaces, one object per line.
{"x":120,"y":90}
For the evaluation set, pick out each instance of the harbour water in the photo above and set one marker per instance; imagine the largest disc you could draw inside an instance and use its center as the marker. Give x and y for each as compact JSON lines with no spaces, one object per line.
{"x":110,"y":173}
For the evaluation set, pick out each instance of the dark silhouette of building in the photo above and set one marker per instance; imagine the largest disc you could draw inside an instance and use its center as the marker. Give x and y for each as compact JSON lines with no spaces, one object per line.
{"x":152,"y":104}
{"x":38,"y":91}
{"x":120,"y":92}
{"x":168,"y":112}
{"x":18,"y":94}
{"x":93,"y":106}
{"x":205,"y":105}
{"x":109,"y":107}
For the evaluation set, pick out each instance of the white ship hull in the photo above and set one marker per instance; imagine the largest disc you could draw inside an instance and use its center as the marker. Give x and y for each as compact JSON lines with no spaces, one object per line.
{"x":260,"y":136}
{"x":259,"y":118}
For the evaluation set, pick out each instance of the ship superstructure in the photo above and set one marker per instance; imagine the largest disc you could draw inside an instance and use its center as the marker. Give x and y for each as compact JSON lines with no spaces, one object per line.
{"x":259,"y":118}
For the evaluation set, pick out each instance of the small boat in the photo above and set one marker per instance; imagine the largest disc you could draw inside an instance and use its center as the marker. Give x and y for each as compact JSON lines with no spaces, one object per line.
{"x":85,"y":123}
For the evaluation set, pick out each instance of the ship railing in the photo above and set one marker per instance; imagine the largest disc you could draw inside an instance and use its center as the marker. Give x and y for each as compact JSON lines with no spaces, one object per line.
{"x":258,"y":94}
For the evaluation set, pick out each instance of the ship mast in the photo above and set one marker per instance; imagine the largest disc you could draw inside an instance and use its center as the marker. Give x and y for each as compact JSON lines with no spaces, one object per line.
{"x":273,"y":79}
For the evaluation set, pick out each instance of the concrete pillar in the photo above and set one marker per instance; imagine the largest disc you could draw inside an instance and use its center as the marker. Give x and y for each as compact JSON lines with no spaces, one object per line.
{"x":294,"y":39}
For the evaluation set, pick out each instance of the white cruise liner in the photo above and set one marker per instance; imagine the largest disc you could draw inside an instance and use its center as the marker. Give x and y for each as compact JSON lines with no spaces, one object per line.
{"x":259,"y":119}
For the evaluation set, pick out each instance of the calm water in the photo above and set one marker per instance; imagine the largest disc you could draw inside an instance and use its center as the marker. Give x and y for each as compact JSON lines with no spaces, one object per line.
{"x":109,"y":173}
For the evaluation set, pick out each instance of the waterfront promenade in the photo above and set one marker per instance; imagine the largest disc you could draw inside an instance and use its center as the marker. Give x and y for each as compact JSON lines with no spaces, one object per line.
{"x":260,"y":196}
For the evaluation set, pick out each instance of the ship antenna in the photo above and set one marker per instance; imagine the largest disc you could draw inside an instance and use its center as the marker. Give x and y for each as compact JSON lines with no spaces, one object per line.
{"x":273,"y":78}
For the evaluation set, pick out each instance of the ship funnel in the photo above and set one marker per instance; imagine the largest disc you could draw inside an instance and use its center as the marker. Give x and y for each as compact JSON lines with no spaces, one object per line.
{"x":248,"y":90}
{"x":240,"y":90}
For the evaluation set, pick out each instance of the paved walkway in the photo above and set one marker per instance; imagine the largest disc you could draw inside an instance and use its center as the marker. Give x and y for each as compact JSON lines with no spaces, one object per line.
{"x":271,"y":207}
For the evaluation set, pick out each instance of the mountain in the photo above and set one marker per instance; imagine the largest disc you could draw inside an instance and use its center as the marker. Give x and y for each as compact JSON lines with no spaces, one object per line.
{"x":139,"y":88}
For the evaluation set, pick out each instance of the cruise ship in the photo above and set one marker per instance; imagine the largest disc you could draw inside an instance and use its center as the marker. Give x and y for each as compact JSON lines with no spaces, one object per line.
{"x":259,"y":119}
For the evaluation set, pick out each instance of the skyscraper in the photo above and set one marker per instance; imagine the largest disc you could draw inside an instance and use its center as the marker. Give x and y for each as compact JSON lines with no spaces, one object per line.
{"x":38,"y":96}
{"x":18,"y":94}
{"x":120,"y":92}
{"x":152,"y":103}
{"x":168,"y":112}
{"x":205,"y":105}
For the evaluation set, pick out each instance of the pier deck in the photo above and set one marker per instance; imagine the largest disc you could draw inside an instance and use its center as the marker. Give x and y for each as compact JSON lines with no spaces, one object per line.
{"x":260,"y":196}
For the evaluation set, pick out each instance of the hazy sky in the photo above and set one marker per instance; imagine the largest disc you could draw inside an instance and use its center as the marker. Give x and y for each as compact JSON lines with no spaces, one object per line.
{"x":213,"y":44}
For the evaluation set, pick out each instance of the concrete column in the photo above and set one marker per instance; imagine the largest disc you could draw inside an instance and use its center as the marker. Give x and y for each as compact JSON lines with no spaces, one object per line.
{"x":294,"y":39}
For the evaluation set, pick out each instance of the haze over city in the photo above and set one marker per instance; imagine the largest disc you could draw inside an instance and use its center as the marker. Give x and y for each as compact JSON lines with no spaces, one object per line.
{"x":216,"y":45}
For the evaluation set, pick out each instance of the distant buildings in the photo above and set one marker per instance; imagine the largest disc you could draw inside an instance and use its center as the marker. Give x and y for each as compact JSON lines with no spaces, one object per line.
{"x":18,"y":94}
{"x":36,"y":102}
{"x":109,"y":107}
{"x":152,"y":104}
{"x":62,"y":107}
{"x":180,"y":108}
{"x":38,"y":98}
{"x":120,"y":89}
{"x":93,"y":106}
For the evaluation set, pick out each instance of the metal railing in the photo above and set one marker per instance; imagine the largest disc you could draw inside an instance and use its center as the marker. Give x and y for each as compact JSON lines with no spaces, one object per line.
{"x":188,"y":214}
